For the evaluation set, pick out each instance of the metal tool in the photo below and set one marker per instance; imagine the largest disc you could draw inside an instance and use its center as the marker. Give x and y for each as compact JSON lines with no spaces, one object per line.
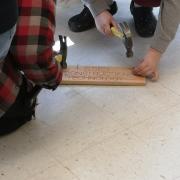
{"x":63,"y":51}
{"x":62,"y":55}
{"x":125,"y":34}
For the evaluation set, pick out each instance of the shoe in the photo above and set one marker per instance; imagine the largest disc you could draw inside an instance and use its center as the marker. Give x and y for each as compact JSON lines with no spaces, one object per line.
{"x":19,"y":113}
{"x":144,"y":20}
{"x":85,"y":21}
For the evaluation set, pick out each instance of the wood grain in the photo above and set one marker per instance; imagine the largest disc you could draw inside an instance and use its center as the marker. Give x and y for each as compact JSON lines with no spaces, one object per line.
{"x":93,"y":75}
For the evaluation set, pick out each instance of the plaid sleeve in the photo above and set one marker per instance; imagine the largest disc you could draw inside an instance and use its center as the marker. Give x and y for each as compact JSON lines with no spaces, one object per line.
{"x":32,"y":45}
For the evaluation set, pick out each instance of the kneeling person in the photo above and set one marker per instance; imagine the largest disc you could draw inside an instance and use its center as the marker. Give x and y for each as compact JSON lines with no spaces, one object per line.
{"x":28,"y":63}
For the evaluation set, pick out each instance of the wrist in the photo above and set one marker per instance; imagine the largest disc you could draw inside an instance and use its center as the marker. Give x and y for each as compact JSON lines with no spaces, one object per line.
{"x":96,"y":7}
{"x":154,"y":54}
{"x":102,"y":13}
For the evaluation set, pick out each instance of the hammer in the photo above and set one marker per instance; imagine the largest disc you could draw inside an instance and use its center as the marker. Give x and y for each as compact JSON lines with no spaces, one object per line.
{"x":124,"y":33}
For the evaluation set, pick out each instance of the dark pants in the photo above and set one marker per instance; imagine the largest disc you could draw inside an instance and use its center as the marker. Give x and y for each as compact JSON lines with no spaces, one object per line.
{"x":148,"y":3}
{"x":19,"y":113}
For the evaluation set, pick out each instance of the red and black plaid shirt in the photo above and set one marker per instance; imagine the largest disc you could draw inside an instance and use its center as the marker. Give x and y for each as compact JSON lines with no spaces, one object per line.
{"x":30,"y":52}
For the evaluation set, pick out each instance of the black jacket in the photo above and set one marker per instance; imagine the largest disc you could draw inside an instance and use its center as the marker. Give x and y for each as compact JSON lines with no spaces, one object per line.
{"x":8,"y":14}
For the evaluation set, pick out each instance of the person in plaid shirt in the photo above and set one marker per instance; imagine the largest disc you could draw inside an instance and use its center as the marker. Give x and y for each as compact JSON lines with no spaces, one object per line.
{"x":29,"y":62}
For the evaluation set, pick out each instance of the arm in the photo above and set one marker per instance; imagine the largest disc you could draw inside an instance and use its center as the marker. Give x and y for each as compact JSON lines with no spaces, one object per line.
{"x":96,"y":6}
{"x":103,"y":19}
{"x":31,"y":48}
{"x":168,"y":21}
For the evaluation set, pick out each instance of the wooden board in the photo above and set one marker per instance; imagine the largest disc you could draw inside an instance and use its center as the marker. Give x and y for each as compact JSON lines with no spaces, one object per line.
{"x":92,"y":75}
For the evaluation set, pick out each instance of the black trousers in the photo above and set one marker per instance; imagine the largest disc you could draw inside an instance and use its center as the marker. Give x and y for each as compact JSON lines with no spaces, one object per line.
{"x":19,"y":113}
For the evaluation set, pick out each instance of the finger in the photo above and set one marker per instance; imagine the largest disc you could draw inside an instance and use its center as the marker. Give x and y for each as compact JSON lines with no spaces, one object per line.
{"x":155,"y":76}
{"x":101,"y":29}
{"x":144,"y":72}
{"x":114,"y":23}
{"x":149,"y":74}
{"x":107,"y":30}
{"x":141,"y":63}
{"x":140,"y":68}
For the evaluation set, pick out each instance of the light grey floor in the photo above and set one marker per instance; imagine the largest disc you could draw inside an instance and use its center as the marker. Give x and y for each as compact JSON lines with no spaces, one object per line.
{"x":101,"y":133}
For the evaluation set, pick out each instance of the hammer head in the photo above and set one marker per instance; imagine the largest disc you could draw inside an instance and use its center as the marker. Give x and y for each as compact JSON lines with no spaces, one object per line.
{"x":127,"y":38}
{"x":63,"y":50}
{"x":128,"y":45}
